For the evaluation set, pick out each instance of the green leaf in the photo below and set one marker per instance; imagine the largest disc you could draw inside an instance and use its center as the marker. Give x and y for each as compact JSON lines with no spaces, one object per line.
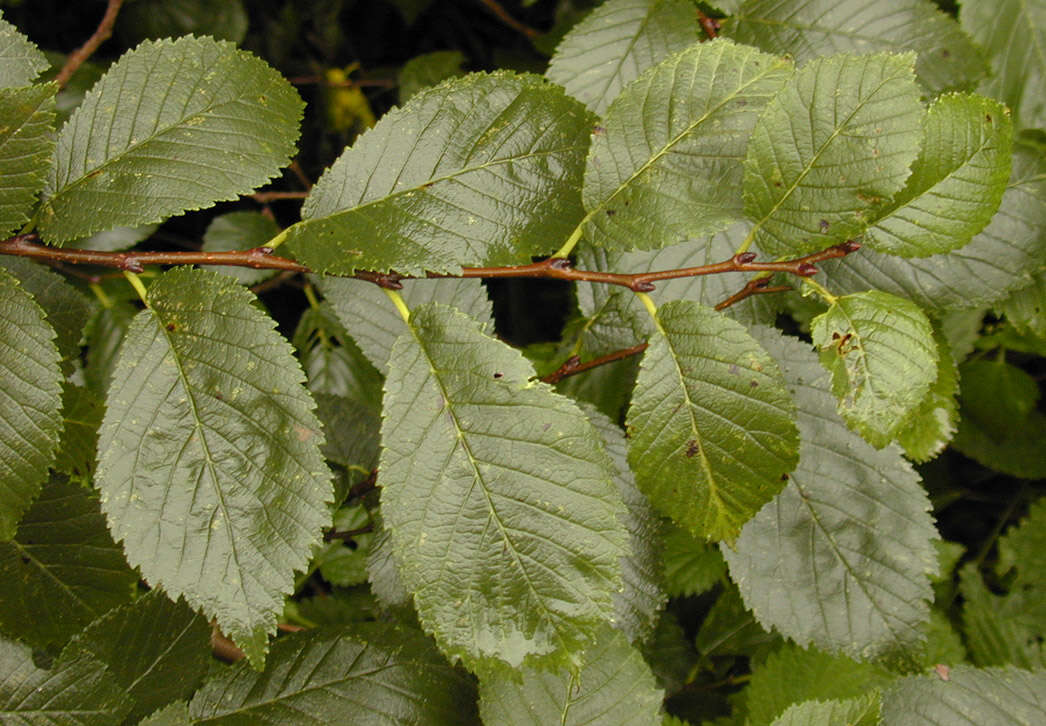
{"x":842,"y":557}
{"x":692,"y":566}
{"x":1001,"y":630}
{"x":667,"y":165}
{"x":881,"y":353}
{"x":364,"y":309}
{"x":104,"y":336}
{"x":144,"y":19}
{"x":374,"y":673}
{"x":967,"y":695}
{"x":809,"y":28}
{"x":731,"y":629}
{"x":792,"y":675}
{"x":861,"y":711}
{"x":78,"y":691}
{"x":352,"y":431}
{"x":382,"y":569}
{"x":481,"y":170}
{"x":332,"y":361}
{"x":155,"y":649}
{"x":26,"y":144}
{"x":173,"y":125}
{"x":20,"y":60}
{"x":82,"y":415}
{"x":66,"y":307}
{"x":1013,"y":35}
{"x":240,"y":231}
{"x":830,"y":149}
{"x":117,"y":238}
{"x":956,"y":183}
{"x":498,"y":496}
{"x":427,"y":70}
{"x":711,"y":426}
{"x":1000,"y":259}
{"x":639,"y":603}
{"x":1024,"y":547}
{"x":62,"y":570}
{"x":1026,"y":308}
{"x":176,"y":714}
{"x":209,"y":455}
{"x":31,"y":392}
{"x":931,"y":426}
{"x":340,"y":564}
{"x":616,"y":43}
{"x":613,"y":688}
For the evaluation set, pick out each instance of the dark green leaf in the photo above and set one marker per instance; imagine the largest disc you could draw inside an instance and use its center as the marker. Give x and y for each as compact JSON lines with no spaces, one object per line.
{"x":1006,"y":629}
{"x":861,"y":711}
{"x":150,"y":19}
{"x":351,"y":431}
{"x":62,"y":570}
{"x":77,"y":691}
{"x":369,"y":673}
{"x":31,"y":396}
{"x":382,"y":569}
{"x":730,"y":629}
{"x":831,"y":148}
{"x":332,"y":361}
{"x":482,"y":170}
{"x":117,"y":238}
{"x":613,"y":688}
{"x":881,"y":353}
{"x":498,"y":496}
{"x":667,"y":167}
{"x":176,"y":714}
{"x":932,"y":425}
{"x":842,"y":557}
{"x":104,"y":335}
{"x":20,"y":60}
{"x":711,"y":425}
{"x":344,"y":562}
{"x":1000,"y":259}
{"x":692,"y":565}
{"x":809,"y":28}
{"x":967,"y":695}
{"x":209,"y":454}
{"x":155,"y":649}
{"x":616,"y":43}
{"x":26,"y":144}
{"x":240,"y":231}
{"x":172,"y":126}
{"x":82,"y":415}
{"x":956,"y":183}
{"x":427,"y":70}
{"x":1026,"y":308}
{"x":1013,"y":35}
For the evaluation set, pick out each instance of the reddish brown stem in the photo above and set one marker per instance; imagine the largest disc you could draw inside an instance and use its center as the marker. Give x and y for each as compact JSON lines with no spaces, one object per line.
{"x":101,"y":34}
{"x":266,"y":197}
{"x":510,"y":21}
{"x":573,"y":364}
{"x":332,"y":534}
{"x":709,"y":25}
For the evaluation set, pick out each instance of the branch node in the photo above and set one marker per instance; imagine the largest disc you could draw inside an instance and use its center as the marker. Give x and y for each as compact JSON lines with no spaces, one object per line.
{"x":850,"y":245}
{"x":642,"y":286}
{"x":806,"y":269}
{"x":131,"y":265}
{"x":745,"y":257}
{"x":558,"y":263}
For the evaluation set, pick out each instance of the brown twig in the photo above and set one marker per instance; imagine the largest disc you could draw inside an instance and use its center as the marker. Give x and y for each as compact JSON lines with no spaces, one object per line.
{"x":266,"y":197}
{"x":503,"y":15}
{"x":332,"y":534}
{"x":358,"y":489}
{"x":85,"y":51}
{"x":709,"y":25}
{"x":573,"y":364}
{"x":273,"y":282}
{"x":755,"y":286}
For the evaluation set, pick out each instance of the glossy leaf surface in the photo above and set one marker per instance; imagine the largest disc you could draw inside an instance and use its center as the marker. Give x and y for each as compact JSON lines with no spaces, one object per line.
{"x":498,"y":496}
{"x":985,"y":697}
{"x":210,"y":466}
{"x":26,"y":143}
{"x":711,"y":425}
{"x":173,"y":125}
{"x":482,"y":170}
{"x":831,"y":148}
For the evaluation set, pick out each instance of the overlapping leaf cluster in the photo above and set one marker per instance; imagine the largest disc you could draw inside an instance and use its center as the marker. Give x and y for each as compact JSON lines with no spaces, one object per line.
{"x":532,"y":537}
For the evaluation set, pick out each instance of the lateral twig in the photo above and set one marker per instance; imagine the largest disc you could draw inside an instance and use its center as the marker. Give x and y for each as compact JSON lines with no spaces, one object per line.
{"x":503,"y":16}
{"x":573,"y":364}
{"x":332,"y":534}
{"x":709,"y":25}
{"x":266,"y":197}
{"x":101,"y":34}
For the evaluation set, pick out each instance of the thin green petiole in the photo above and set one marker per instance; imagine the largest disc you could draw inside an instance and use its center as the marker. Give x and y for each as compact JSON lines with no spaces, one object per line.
{"x":820,"y":290}
{"x":401,"y":306}
{"x":139,"y":287}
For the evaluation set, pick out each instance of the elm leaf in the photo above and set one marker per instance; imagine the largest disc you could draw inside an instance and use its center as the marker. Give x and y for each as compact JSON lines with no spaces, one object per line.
{"x":26,"y":144}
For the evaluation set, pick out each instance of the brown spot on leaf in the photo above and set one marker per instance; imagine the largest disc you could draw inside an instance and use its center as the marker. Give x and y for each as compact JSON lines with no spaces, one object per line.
{"x":172,"y":327}
{"x":691,"y":448}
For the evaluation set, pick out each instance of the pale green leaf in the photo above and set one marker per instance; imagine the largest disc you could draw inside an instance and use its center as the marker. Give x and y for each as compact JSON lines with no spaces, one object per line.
{"x":62,"y":570}
{"x":1013,"y":36}
{"x":427,"y":70}
{"x":209,"y":454}
{"x":860,"y":711}
{"x":883,"y":359}
{"x":498,"y":496}
{"x":365,"y":312}
{"x":382,"y":569}
{"x":666,"y":165}
{"x":26,"y":144}
{"x":792,"y":675}
{"x":614,"y":687}
{"x":843,"y":556}
{"x":1002,"y":258}
{"x":77,"y":691}
{"x":370,"y":673}
{"x":142,"y":19}
{"x":20,"y":60}
{"x":616,"y":43}
{"x":481,"y":170}
{"x":692,"y":565}
{"x":956,"y":183}
{"x":967,"y":696}
{"x":831,"y":148}
{"x":711,"y":426}
{"x":639,"y":603}
{"x":31,"y":396}
{"x":932,"y":425}
{"x":808,"y":28}
{"x":156,"y":650}
{"x":240,"y":231}
{"x":175,"y":714}
{"x":172,"y":126}
{"x":117,"y":238}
